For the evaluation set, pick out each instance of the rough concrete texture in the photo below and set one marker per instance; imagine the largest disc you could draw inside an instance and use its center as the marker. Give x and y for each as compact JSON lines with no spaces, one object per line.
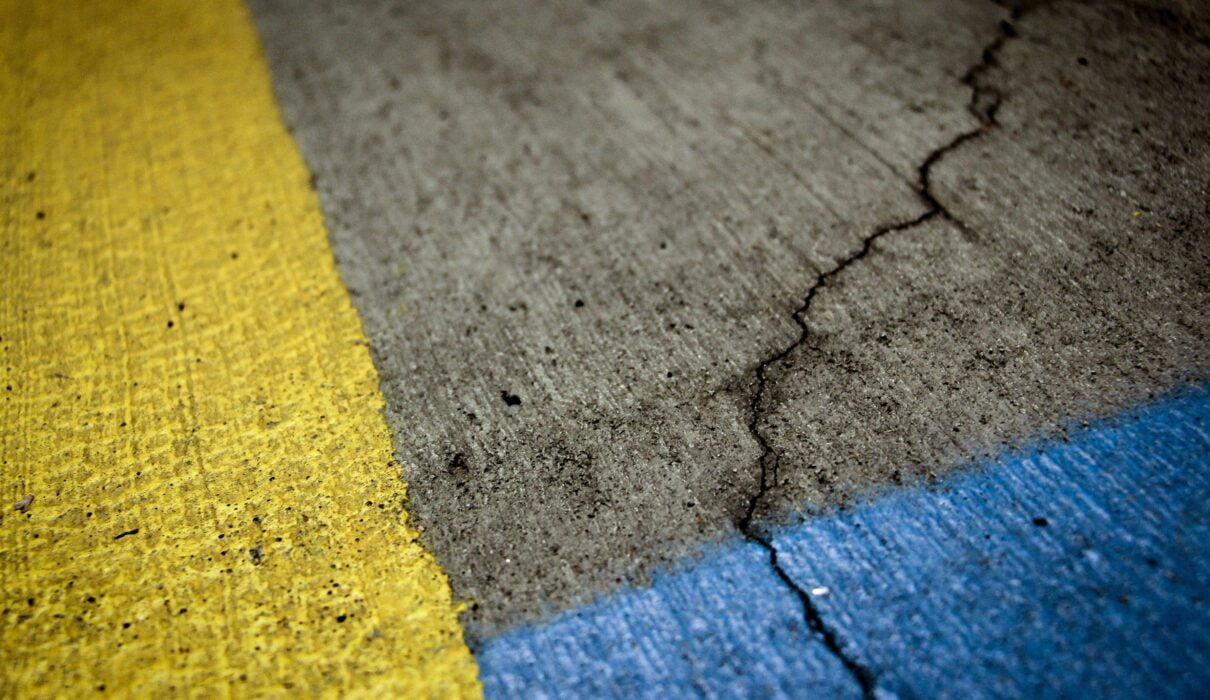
{"x":639,"y":274}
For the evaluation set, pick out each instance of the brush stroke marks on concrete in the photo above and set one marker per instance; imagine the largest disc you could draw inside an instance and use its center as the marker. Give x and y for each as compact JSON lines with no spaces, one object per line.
{"x":1073,"y":567}
{"x":575,"y":231}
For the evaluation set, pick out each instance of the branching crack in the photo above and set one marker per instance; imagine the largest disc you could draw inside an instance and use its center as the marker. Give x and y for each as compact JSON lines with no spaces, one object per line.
{"x":984,"y":103}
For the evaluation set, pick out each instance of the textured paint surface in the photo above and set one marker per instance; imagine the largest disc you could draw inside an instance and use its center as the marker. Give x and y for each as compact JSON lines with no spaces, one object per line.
{"x":187,"y":395}
{"x":727,"y":627}
{"x":1077,"y":568}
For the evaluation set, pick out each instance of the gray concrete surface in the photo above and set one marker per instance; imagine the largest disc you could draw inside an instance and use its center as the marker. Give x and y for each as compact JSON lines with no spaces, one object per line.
{"x":637,"y":275}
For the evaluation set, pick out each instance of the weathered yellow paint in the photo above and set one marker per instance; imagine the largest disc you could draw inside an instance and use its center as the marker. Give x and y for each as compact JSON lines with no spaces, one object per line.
{"x":187,"y":393}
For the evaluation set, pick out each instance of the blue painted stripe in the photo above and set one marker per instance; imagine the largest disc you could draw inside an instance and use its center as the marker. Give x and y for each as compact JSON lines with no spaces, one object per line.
{"x":728,"y":626}
{"x":1074,"y":568}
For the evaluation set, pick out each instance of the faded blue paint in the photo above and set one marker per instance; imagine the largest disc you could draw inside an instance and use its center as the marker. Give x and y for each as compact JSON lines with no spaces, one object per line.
{"x":950,"y":590}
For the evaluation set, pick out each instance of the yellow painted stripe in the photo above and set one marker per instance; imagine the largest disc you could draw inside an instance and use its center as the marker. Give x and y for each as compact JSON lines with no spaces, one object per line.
{"x":187,"y":393}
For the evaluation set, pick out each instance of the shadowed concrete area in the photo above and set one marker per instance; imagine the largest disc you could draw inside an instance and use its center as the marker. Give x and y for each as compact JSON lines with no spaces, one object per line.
{"x":637,"y":275}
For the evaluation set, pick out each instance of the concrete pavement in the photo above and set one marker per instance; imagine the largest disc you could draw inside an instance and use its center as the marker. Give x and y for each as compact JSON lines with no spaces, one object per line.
{"x":639,"y":275}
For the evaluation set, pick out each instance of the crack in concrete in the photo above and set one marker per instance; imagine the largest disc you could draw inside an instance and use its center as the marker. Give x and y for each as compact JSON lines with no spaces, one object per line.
{"x":984,"y":102}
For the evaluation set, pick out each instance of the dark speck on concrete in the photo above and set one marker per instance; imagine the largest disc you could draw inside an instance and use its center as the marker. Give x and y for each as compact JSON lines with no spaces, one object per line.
{"x":458,"y":464}
{"x":510,"y":399}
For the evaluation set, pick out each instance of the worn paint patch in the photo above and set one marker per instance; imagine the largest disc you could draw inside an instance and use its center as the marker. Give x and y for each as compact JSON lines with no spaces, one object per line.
{"x":190,"y":424}
{"x":1073,"y":568}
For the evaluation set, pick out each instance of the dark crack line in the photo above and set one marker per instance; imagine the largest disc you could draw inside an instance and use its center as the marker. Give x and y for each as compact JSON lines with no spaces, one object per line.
{"x":984,"y":103}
